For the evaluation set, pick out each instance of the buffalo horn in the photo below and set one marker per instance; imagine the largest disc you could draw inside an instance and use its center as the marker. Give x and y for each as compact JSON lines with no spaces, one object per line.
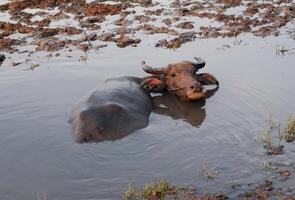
{"x":151,"y":70}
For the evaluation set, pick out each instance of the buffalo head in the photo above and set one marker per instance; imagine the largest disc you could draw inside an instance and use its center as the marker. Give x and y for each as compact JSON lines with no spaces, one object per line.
{"x":180,"y":79}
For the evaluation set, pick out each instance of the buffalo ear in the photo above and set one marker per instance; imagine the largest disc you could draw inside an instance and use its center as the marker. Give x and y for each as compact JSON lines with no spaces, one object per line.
{"x":207,"y":79}
{"x":199,"y":63}
{"x":152,"y":84}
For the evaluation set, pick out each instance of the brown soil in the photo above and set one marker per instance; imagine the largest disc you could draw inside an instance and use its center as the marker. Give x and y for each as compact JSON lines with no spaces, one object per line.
{"x":274,"y":150}
{"x":91,"y":37}
{"x":51,"y":44}
{"x":284,"y":174}
{"x":4,"y":7}
{"x":107,"y":37}
{"x":124,"y":41}
{"x":271,"y":16}
{"x":11,"y":28}
{"x":157,"y":12}
{"x":7,"y":43}
{"x":266,"y":31}
{"x":185,"y":25}
{"x":94,"y":9}
{"x":151,"y":29}
{"x":192,"y":196}
{"x":167,"y":21}
{"x":230,"y":2}
{"x":289,"y":138}
{"x":15,"y":6}
{"x":264,"y":191}
{"x":41,"y":23}
{"x":143,"y":2}
{"x":176,"y":42}
{"x":122,"y":22}
{"x":49,"y":32}
{"x":70,"y":30}
{"x":142,"y":18}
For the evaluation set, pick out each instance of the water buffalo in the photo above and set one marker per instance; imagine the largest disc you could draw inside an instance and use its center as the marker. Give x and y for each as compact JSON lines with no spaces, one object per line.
{"x":181,"y":79}
{"x":118,"y":107}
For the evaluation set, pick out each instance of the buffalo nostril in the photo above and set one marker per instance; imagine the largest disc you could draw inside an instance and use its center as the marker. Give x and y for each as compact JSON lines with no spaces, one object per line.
{"x":199,"y":89}
{"x":192,"y":87}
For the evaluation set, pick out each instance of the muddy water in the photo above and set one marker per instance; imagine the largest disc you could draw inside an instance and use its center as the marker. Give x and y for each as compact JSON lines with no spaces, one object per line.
{"x":38,"y":152}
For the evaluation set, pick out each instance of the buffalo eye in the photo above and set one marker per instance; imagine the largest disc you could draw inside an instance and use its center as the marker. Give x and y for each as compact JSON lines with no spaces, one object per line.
{"x":173,"y":75}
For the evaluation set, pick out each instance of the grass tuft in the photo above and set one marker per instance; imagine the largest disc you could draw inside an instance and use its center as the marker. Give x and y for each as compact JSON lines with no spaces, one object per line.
{"x":272,"y":140}
{"x":152,"y":190}
{"x":156,"y":189}
{"x":132,"y":193}
{"x":207,"y":174}
{"x":289,"y":133}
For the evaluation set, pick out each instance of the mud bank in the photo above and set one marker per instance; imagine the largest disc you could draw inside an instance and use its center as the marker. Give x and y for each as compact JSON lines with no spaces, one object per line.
{"x":67,"y":24}
{"x":164,"y":190}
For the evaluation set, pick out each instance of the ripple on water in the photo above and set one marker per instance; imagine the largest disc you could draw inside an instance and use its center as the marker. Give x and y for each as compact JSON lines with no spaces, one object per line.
{"x":37,"y":145}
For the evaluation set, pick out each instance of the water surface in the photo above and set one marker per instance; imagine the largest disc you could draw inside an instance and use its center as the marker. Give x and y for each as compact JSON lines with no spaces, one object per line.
{"x":38,"y":152}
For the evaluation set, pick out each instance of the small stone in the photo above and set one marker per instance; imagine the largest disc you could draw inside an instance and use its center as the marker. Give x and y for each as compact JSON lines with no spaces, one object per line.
{"x":144,"y":2}
{"x":167,"y":21}
{"x":268,"y":183}
{"x":101,"y":46}
{"x":124,"y":41}
{"x":2,"y":58}
{"x":289,"y":138}
{"x":285,"y":174}
{"x":142,"y":18}
{"x":122,"y":22}
{"x":15,"y":63}
{"x":34,"y":66}
{"x":274,"y":150}
{"x":185,"y":25}
{"x":91,"y":37}
{"x":83,"y":47}
{"x":106,"y":37}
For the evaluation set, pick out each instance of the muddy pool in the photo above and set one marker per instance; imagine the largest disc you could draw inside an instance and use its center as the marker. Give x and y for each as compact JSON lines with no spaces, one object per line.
{"x":38,"y":152}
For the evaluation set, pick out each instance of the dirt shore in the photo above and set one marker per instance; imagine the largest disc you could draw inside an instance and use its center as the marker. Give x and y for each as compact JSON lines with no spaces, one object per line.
{"x":52,"y":25}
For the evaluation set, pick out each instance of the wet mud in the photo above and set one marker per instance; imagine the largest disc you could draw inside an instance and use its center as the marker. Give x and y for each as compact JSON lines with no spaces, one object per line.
{"x":178,"y":20}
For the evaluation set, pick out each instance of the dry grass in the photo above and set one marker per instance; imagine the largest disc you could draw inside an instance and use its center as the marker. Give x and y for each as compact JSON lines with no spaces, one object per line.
{"x":289,"y":134}
{"x":152,"y":190}
{"x":163,"y":190}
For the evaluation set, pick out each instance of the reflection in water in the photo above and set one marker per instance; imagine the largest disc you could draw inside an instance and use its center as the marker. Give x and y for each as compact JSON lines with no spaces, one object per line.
{"x":192,"y":112}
